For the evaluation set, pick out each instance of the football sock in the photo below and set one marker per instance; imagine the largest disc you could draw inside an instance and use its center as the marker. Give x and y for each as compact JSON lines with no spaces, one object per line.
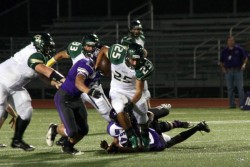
{"x":21,"y":126}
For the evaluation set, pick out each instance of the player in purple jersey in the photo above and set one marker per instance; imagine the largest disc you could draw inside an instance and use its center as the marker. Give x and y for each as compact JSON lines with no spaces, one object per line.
{"x":158,"y":140}
{"x":82,"y":77}
{"x":89,"y":47}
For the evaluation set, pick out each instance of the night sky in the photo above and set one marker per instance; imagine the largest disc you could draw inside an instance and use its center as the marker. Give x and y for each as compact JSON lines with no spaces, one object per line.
{"x":42,"y":12}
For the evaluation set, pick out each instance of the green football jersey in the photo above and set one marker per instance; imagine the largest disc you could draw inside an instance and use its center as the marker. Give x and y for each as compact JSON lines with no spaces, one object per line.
{"x":126,"y":40}
{"x":74,"y":49}
{"x":37,"y":58}
{"x":117,"y":56}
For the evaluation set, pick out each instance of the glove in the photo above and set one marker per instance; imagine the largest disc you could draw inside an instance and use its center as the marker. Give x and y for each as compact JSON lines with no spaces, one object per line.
{"x":95,"y":93}
{"x":128,"y":107}
{"x":104,"y":144}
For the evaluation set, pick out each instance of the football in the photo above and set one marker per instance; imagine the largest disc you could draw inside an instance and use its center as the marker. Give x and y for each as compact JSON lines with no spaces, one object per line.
{"x":104,"y":66}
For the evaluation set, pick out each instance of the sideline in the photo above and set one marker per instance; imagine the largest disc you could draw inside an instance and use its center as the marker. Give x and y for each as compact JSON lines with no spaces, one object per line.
{"x":175,"y":103}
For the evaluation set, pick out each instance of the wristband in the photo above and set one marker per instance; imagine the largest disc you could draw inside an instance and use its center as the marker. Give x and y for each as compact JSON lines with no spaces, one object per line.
{"x":51,"y":62}
{"x":55,"y":75}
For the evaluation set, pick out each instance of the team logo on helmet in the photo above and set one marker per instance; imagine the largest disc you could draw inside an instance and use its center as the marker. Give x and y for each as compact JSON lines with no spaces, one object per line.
{"x":44,"y":43}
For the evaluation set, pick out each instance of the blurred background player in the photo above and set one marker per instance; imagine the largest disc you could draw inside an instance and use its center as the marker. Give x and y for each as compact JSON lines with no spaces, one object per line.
{"x":135,"y":34}
{"x":19,"y":70}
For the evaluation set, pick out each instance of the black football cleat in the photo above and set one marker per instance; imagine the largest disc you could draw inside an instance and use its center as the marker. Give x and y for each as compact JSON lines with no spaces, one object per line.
{"x":71,"y":150}
{"x":202,"y":126}
{"x":22,"y":145}
{"x":61,"y":141}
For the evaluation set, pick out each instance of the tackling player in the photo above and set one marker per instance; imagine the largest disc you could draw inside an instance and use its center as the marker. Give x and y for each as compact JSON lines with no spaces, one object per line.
{"x":77,"y":51}
{"x":82,"y":78}
{"x":89,"y":48}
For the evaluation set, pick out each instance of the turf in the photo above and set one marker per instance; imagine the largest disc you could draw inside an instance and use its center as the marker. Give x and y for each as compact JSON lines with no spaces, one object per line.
{"x":227,"y":145}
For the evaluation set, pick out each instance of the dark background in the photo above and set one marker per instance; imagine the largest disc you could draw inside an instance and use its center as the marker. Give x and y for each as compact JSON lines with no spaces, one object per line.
{"x":14,"y":17}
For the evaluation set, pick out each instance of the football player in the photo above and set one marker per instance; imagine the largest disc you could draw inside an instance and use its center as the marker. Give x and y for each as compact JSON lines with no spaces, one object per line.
{"x":136,"y":36}
{"x":129,"y":70}
{"x":77,"y":51}
{"x":88,"y":48}
{"x":158,"y":140}
{"x":19,"y":70}
{"x":82,"y":78}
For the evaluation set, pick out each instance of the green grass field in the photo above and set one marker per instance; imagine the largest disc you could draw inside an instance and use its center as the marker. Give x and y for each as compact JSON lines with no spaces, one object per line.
{"x":227,"y":145}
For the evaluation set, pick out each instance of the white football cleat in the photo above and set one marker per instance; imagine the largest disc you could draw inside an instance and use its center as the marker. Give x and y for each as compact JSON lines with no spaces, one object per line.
{"x":166,"y":106}
{"x":51,"y":134}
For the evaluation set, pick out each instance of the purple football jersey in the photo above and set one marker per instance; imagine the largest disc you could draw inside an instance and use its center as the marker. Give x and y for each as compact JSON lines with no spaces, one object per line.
{"x":82,"y":67}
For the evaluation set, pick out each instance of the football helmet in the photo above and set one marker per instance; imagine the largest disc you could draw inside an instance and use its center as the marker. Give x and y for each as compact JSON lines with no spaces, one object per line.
{"x":44,"y":43}
{"x":135,"y":24}
{"x":135,"y":52}
{"x":89,"y":40}
{"x":135,"y":28}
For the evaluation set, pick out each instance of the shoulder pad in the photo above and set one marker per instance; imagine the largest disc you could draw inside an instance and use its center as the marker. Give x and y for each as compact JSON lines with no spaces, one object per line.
{"x":145,"y":71}
{"x":36,"y":58}
{"x":74,"y":49}
{"x":117,"y":53}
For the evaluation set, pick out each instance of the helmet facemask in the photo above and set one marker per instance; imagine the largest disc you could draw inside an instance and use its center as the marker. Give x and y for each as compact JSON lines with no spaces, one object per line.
{"x":135,"y":56}
{"x":134,"y":63}
{"x":89,"y":43}
{"x":135,"y":28}
{"x":49,"y":49}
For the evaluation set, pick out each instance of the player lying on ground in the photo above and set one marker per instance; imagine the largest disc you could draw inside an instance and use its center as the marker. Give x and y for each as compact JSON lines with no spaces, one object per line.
{"x":158,"y":140}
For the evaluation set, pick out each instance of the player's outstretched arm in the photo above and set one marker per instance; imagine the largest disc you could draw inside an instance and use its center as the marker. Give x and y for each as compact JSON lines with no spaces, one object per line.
{"x":57,"y":57}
